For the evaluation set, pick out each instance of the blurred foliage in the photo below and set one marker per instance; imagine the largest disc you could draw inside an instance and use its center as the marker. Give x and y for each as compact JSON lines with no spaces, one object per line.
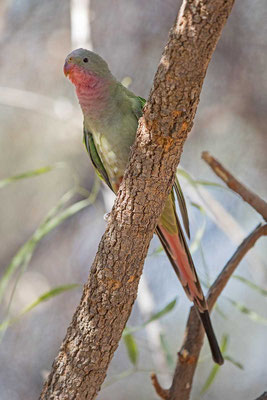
{"x":22,"y":258}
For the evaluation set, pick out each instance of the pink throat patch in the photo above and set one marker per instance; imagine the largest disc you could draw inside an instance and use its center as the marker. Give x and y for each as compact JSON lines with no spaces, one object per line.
{"x":82,"y":78}
{"x":92,"y":90}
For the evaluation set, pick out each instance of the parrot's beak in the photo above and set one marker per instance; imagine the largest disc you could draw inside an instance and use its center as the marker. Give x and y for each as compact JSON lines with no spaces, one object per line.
{"x":67,"y":68}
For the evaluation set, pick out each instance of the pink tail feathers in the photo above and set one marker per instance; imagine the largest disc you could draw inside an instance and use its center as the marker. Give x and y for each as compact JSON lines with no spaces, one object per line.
{"x":185,"y":267}
{"x":180,"y":258}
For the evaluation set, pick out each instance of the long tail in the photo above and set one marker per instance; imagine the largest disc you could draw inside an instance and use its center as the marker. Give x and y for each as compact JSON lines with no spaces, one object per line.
{"x":177,"y":250}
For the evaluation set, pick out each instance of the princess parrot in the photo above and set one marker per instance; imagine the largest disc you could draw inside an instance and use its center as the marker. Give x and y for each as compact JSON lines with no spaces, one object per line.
{"x":111,"y":114}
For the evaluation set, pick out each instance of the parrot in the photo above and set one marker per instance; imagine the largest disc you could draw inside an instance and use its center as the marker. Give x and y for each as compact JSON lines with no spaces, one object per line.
{"x":110,"y":120}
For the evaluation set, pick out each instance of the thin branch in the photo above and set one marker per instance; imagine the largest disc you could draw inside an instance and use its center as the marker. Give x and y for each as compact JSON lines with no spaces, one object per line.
{"x":163,"y":393}
{"x":262,"y":397}
{"x":221,"y":281}
{"x":194,"y":334}
{"x":250,"y":197}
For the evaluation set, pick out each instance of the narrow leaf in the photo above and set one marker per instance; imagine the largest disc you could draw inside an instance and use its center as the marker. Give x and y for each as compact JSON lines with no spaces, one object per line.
{"x":25,"y":175}
{"x":196,"y":182}
{"x":201,"y":230}
{"x":234,"y":362}
{"x":161,"y":313}
{"x":119,"y":377}
{"x":166,"y":350}
{"x":48,"y":295}
{"x":212,"y":184}
{"x":44,"y":297}
{"x":250,"y":313}
{"x":216,"y":367}
{"x":210,"y":379}
{"x":131,"y":347}
{"x":54,"y":218}
{"x":219,"y":311}
{"x":169,"y":307}
{"x":158,"y":250}
{"x":252,"y":285}
{"x":187,"y":176}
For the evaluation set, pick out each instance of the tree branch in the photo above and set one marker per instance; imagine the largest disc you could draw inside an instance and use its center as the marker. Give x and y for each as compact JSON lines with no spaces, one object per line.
{"x":108,"y":296}
{"x":263,"y":396}
{"x":251,"y":198}
{"x":194,"y":333}
{"x":194,"y":336}
{"x":221,"y":281}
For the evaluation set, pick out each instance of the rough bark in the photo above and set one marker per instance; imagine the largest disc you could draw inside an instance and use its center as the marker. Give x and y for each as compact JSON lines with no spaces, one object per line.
{"x":247,"y":195}
{"x":108,"y":296}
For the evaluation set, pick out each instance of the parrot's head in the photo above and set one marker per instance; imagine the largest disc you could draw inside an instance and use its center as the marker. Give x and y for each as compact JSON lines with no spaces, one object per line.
{"x":86,"y":68}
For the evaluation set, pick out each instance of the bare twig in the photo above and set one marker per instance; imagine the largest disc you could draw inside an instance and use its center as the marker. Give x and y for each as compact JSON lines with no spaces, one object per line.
{"x":262,"y":397}
{"x":251,"y":198}
{"x":163,"y":393}
{"x":194,"y":336}
{"x":230,"y":267}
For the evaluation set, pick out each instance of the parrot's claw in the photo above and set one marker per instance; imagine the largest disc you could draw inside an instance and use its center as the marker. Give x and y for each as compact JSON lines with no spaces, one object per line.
{"x":106,"y":216}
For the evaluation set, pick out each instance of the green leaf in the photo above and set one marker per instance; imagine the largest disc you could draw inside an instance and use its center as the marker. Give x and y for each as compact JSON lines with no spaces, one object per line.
{"x":250,"y":313}
{"x":54,"y":218}
{"x":131,"y":347}
{"x":196,"y":182}
{"x":25,"y":175}
{"x":210,"y":379}
{"x":219,"y":311}
{"x":50,"y":294}
{"x":44,"y":297}
{"x":234,"y":362}
{"x":212,"y":184}
{"x":169,"y":307}
{"x":119,"y":377}
{"x":187,"y":176}
{"x":166,"y":350}
{"x":158,"y":250}
{"x":201,"y":230}
{"x":252,"y":285}
{"x":215,"y":368}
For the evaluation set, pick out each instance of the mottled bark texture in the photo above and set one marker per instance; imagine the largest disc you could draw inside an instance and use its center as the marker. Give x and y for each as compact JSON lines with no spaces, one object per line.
{"x":108,"y":296}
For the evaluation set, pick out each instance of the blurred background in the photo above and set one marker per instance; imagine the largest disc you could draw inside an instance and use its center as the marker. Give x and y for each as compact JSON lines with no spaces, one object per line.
{"x":50,"y":228}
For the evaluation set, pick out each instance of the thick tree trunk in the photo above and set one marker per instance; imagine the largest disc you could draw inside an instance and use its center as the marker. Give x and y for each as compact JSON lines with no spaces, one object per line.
{"x":108,"y":296}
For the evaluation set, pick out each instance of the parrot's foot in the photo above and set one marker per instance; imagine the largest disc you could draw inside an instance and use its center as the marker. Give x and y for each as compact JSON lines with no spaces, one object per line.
{"x":106,"y":216}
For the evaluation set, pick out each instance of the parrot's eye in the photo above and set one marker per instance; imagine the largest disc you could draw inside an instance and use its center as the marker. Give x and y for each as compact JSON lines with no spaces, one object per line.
{"x":85,"y":59}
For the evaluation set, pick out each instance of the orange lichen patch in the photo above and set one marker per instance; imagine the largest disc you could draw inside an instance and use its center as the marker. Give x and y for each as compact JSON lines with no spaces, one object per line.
{"x":184,"y":126}
{"x":154,"y":125}
{"x":113,"y":284}
{"x":185,"y":358}
{"x":131,"y":279}
{"x":176,"y":113}
{"x":165,"y":142}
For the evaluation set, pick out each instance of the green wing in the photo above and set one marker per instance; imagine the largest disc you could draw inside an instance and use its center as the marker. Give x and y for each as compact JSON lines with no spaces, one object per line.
{"x":96,"y":160}
{"x":142,"y":101}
